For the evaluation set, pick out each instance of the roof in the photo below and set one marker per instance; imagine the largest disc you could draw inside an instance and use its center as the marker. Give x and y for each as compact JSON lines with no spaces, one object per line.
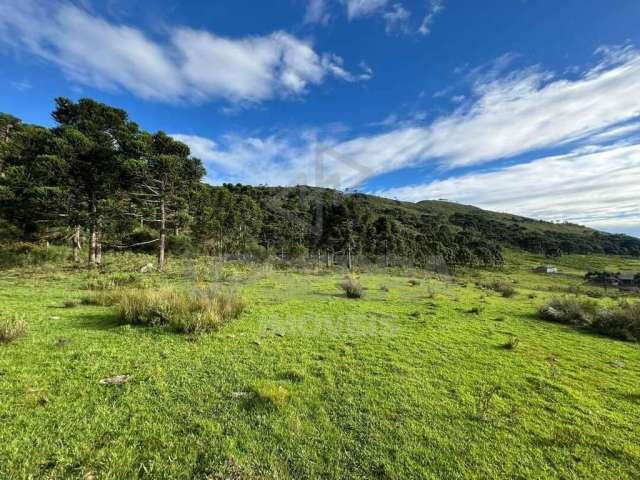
{"x":628,"y":275}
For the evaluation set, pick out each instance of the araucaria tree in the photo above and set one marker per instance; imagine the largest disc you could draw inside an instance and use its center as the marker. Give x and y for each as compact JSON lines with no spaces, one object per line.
{"x":167,"y":176}
{"x":102,"y":143}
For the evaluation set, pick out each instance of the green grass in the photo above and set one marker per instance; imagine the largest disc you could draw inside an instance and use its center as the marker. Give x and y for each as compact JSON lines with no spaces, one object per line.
{"x":402,"y":383}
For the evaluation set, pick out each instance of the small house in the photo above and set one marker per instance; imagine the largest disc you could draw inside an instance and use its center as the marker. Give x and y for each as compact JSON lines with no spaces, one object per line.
{"x":546,"y":269}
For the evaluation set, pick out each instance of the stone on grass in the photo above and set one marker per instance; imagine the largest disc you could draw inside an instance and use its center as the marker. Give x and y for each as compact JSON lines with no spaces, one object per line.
{"x":117,"y":380}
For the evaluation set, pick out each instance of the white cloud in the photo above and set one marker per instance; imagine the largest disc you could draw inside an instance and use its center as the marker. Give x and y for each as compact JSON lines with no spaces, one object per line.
{"x":616,"y":132}
{"x":599,"y":189}
{"x":189,"y":65}
{"x":317,"y":12}
{"x":278,"y":159}
{"x":435,"y":8}
{"x":362,"y":8}
{"x":396,"y":19}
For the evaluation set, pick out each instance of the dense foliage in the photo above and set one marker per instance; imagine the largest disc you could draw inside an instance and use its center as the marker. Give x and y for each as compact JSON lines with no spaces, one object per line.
{"x":96,"y":178}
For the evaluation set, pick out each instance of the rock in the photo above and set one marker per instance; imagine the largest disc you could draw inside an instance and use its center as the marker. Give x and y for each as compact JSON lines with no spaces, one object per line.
{"x":117,"y":380}
{"x":54,"y":318}
{"x":149,"y":267}
{"x":238,"y":395}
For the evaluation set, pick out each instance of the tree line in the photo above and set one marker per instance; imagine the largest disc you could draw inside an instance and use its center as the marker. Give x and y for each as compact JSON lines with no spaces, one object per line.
{"x":96,"y":179}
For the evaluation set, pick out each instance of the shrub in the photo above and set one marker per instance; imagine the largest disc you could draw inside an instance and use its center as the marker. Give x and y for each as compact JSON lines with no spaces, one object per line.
{"x":503,"y":288}
{"x":198,"y":312}
{"x":352,"y":288}
{"x":414,"y":283}
{"x":12,"y":327}
{"x":570,"y":311}
{"x":622,"y":322}
{"x":31,"y":254}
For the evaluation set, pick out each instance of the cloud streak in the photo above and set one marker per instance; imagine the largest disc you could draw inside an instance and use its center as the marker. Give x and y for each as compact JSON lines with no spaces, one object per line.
{"x":189,"y":65}
{"x":363,"y":8}
{"x":599,"y":189}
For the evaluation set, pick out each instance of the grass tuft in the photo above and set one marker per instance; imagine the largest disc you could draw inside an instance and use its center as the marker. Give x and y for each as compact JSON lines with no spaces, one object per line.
{"x":503,"y":288}
{"x":295,"y":376}
{"x":352,"y":288}
{"x":187,"y":312}
{"x":99,"y":298}
{"x":512,"y":343}
{"x":12,"y":327}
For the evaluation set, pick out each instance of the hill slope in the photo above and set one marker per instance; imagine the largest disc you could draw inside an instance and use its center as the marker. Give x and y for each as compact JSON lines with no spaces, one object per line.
{"x":323,"y":219}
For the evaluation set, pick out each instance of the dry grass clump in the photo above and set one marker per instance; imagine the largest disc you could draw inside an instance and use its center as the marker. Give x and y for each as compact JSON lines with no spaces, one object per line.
{"x":503,"y":288}
{"x":12,"y":327}
{"x":187,"y":312}
{"x":571,"y":311}
{"x":352,"y":288}
{"x":100,"y":298}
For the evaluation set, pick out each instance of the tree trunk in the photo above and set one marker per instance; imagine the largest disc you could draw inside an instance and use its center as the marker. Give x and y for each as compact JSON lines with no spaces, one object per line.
{"x":163,"y":235}
{"x":93,"y":232}
{"x":93,"y":242}
{"x":76,"y":244}
{"x":349,"y":264}
{"x":98,"y":247}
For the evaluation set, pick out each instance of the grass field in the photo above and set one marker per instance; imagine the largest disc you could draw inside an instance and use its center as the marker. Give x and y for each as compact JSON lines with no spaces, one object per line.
{"x":439,"y":379}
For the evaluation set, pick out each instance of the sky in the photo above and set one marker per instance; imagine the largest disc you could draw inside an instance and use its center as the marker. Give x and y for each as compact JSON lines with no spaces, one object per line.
{"x":524,"y":106}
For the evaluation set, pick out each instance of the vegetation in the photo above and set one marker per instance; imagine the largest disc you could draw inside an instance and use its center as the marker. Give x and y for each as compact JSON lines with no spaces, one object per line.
{"x":621,"y":321}
{"x":303,"y":383}
{"x":97,"y":182}
{"x":188,"y":312}
{"x":352,"y":287}
{"x":572,"y":311}
{"x":502,"y":287}
{"x":12,"y":327}
{"x":310,"y":384}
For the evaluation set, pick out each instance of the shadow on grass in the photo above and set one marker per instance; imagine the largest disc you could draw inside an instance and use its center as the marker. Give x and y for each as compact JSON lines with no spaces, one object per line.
{"x":327,"y":294}
{"x":97,"y":321}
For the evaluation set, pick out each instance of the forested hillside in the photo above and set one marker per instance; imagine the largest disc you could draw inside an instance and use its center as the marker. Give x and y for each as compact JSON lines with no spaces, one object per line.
{"x":97,"y":181}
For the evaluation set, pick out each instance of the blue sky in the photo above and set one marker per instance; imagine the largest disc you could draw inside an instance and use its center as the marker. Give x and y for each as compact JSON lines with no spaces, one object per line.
{"x":524,"y":106}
